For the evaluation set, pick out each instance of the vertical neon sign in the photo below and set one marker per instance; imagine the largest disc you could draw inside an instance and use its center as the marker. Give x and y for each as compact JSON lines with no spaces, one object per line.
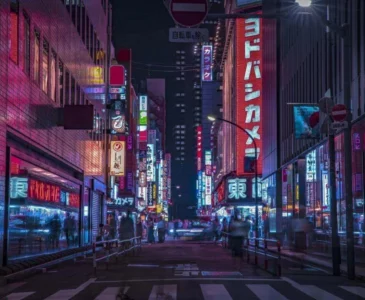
{"x":248,"y":90}
{"x":199,"y":147}
{"x":206,"y":67}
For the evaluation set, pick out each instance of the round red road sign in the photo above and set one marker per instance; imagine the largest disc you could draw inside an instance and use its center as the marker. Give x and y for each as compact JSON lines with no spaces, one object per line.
{"x":189,"y":13}
{"x":339,"y":113}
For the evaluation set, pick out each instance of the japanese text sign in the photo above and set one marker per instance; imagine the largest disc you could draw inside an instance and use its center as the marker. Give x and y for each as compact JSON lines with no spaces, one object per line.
{"x":248,"y":90}
{"x":117,"y":158}
{"x":206,"y":61}
{"x":241,"y":189}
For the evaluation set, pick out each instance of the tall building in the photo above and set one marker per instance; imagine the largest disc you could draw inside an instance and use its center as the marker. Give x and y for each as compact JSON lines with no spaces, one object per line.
{"x":296,"y":165}
{"x":53,"y":60}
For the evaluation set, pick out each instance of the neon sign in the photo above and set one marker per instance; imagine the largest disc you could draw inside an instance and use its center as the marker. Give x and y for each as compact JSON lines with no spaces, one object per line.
{"x":248,"y":90}
{"x":207,"y":55}
{"x":199,"y":147}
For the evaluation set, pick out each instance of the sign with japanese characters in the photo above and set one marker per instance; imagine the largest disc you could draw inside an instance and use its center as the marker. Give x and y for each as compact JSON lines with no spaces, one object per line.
{"x":143,"y":119}
{"x":117,"y":158}
{"x":151,"y":163}
{"x":117,"y":117}
{"x":208,"y":163}
{"x":150,"y":201}
{"x":206,"y":63}
{"x":248,"y":90}
{"x":124,"y":201}
{"x":188,"y":35}
{"x":241,"y":189}
{"x":311,"y":166}
{"x":168,"y":173}
{"x":208,"y":190}
{"x":199,"y":141}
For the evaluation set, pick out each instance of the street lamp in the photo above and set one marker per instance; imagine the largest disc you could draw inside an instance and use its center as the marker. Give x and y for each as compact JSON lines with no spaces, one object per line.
{"x":213,"y":118}
{"x":304,"y":3}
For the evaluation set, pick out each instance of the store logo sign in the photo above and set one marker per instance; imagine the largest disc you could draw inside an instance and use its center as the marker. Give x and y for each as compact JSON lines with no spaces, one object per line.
{"x":18,"y":187}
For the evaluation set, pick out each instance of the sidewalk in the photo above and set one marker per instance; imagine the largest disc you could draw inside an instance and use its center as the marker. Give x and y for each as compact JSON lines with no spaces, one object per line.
{"x":320,"y":262}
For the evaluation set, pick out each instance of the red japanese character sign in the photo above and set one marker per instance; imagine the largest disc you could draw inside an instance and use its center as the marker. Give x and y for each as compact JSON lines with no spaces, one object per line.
{"x":248,"y":90}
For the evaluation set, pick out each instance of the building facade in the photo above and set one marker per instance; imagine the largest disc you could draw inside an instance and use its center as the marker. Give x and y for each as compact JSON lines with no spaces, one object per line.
{"x":296,"y":171}
{"x":53,"y":53}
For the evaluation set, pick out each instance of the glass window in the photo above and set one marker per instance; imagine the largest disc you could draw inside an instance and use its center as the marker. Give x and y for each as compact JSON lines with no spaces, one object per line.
{"x":43,"y":211}
{"x":87,"y":33}
{"x":61,"y":87}
{"x":53,"y":75}
{"x":45,"y":59}
{"x":37,"y":49}
{"x":14,"y":31}
{"x":26,"y":44}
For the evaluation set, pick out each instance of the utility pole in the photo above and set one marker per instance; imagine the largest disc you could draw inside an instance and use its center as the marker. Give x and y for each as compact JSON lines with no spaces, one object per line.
{"x":347,"y":61}
{"x":336,"y":251}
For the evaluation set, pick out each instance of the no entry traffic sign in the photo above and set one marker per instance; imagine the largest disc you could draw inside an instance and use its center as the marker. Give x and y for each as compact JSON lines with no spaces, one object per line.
{"x":188,"y":13}
{"x":339,"y":113}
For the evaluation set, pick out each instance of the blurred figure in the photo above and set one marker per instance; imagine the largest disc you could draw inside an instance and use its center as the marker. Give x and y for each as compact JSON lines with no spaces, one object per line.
{"x":150,"y":235}
{"x":161,"y":229}
{"x":216,"y":226}
{"x":224,"y":225}
{"x":176,"y":227}
{"x":237,"y":235}
{"x":73,"y":231}
{"x":139,"y":228}
{"x":55,"y":231}
{"x":67,"y":228}
{"x":113,"y":226}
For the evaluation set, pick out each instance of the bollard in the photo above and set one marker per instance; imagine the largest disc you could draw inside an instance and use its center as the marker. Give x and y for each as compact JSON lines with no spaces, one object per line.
{"x":94,"y":258}
{"x":279,"y":258}
{"x":256,"y":258}
{"x":266,"y":261}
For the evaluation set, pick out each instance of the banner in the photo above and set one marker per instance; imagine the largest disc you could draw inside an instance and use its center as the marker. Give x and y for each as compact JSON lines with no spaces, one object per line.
{"x":306,"y":122}
{"x":117,"y":158}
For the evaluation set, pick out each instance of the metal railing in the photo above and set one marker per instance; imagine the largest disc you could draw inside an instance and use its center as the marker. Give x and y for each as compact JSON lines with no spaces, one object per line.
{"x":114,"y":248}
{"x":260,"y":246}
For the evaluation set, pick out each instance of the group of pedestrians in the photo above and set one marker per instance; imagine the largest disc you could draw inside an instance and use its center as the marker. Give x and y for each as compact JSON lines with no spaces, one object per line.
{"x":161,"y":230}
{"x":239,"y":232}
{"x":68,"y":228}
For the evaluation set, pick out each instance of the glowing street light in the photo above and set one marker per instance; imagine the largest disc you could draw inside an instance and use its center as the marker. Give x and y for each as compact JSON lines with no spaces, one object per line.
{"x":212,"y":118}
{"x":304,"y":3}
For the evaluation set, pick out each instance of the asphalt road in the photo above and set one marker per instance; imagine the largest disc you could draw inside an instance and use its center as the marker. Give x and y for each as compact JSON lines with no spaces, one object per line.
{"x":181,"y":270}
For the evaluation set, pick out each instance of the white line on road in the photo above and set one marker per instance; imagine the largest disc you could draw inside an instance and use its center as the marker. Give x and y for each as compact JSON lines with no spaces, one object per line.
{"x":109,"y":293}
{"x":68,"y":294}
{"x":312,"y":291}
{"x":18,"y":296}
{"x":164,"y":292}
{"x":215,"y":292}
{"x":357,"y":290}
{"x":265,"y":292}
{"x":189,"y":279}
{"x":188,"y":7}
{"x":142,"y":266}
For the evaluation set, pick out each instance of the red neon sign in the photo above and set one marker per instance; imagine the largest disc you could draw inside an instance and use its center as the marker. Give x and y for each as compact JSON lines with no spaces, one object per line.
{"x":248,"y":90}
{"x":42,"y":191}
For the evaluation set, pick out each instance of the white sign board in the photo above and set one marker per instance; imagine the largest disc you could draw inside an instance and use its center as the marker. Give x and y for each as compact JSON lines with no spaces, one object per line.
{"x":117,"y":158}
{"x":188,"y":35}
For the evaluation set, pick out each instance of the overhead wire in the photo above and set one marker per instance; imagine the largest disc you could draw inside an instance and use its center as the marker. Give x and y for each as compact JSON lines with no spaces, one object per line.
{"x":162,"y":65}
{"x":166,"y":71}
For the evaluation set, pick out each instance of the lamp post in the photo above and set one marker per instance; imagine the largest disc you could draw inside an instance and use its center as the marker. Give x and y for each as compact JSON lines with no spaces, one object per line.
{"x":213,"y":118}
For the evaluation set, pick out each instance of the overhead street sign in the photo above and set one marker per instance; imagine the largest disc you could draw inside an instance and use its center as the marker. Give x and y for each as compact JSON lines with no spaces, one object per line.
{"x":188,"y":13}
{"x":339,"y":113}
{"x":188,"y":35}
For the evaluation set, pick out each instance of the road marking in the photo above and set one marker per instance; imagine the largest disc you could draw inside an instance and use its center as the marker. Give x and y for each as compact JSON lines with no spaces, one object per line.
{"x":190,"y":279}
{"x":10,"y":287}
{"x":218,"y":273}
{"x":312,"y":291}
{"x":108,"y":293}
{"x":188,"y":7}
{"x":357,"y":290}
{"x":68,"y":294}
{"x":265,"y":292}
{"x":142,"y":266}
{"x":18,"y":296}
{"x":215,"y":292}
{"x":164,"y":292}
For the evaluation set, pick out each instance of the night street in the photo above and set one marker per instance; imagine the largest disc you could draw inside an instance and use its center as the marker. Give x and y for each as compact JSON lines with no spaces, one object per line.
{"x":180,"y":270}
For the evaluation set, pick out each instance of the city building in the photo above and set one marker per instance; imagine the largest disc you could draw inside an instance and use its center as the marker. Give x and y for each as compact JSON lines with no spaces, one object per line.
{"x":240,"y":42}
{"x":296,"y":166}
{"x":53,"y":59}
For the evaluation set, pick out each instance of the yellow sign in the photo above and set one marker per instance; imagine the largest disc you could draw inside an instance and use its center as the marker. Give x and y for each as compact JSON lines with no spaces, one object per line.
{"x":117,"y":158}
{"x":97,"y":75}
{"x":158,"y":208}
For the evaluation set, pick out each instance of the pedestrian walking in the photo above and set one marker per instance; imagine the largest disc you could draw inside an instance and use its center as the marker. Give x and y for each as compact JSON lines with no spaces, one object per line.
{"x":161,"y":229}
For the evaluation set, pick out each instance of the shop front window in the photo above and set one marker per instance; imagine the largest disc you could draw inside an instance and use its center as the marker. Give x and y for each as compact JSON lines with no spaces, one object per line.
{"x":43,"y":211}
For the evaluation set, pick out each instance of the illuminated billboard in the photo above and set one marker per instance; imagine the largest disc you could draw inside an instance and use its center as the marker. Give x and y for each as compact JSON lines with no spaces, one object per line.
{"x":117,"y":158}
{"x":168,"y":171}
{"x":208,"y":190}
{"x":143,"y":119}
{"x":151,"y":163}
{"x":206,"y":63}
{"x":208,"y":163}
{"x":248,"y":90}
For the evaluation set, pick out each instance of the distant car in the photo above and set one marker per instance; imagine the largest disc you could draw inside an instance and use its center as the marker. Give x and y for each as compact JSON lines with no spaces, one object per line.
{"x":198,"y":231}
